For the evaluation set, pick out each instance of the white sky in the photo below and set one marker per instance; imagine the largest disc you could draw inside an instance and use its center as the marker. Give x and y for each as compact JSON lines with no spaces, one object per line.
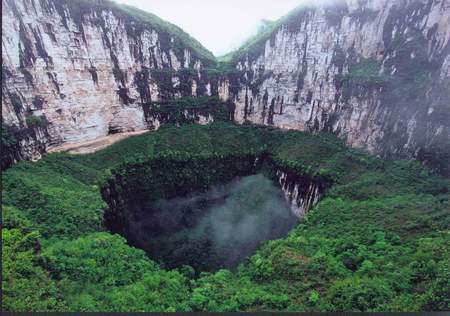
{"x":220,"y":25}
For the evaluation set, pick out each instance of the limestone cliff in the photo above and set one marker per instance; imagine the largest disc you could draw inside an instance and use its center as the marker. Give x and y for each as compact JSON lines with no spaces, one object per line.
{"x":75,"y":70}
{"x":302,"y":193}
{"x":376,"y":72}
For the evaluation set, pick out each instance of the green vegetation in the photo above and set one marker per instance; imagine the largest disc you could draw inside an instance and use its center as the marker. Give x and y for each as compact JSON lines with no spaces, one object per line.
{"x":363,"y":77}
{"x":189,"y":109}
{"x":8,"y":135}
{"x":255,"y":44}
{"x":26,"y":286}
{"x":137,"y":19}
{"x":35,"y":121}
{"x":183,"y":38}
{"x":209,"y":230}
{"x":366,"y":73}
{"x":9,"y":142}
{"x":379,"y":239}
{"x":292,"y":21}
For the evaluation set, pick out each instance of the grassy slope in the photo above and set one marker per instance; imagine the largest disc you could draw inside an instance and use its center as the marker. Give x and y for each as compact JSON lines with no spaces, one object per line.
{"x":378,"y":241}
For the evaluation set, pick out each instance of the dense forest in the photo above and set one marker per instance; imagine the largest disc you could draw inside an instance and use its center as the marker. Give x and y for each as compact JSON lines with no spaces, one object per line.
{"x":378,"y":240}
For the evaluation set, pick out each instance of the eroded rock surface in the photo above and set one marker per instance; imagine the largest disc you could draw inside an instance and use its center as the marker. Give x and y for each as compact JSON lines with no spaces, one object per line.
{"x":374,"y":72}
{"x":83,"y":70}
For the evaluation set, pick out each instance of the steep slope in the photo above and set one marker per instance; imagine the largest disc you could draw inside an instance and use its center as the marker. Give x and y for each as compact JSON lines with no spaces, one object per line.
{"x":375,"y":72}
{"x":76,"y":70}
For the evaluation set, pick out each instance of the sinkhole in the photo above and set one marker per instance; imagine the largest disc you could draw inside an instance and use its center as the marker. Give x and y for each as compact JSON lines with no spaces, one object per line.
{"x":207,"y":213}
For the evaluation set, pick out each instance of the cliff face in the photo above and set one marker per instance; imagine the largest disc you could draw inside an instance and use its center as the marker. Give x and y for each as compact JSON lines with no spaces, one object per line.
{"x":78,"y":70}
{"x":377,"y":73}
{"x":302,"y":193}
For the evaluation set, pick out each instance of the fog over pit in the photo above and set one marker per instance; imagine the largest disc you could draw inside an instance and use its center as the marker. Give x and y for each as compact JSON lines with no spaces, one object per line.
{"x":219,"y":228}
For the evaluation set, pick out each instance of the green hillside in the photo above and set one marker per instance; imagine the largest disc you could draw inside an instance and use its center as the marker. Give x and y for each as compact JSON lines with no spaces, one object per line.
{"x":377,"y":241}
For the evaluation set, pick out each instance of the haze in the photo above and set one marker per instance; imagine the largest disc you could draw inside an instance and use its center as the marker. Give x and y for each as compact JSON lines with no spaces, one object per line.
{"x":213,"y":229}
{"x":221,"y":26}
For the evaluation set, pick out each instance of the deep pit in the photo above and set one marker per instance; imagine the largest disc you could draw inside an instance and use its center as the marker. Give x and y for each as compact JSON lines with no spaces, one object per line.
{"x":206,"y":212}
{"x":215,"y":229}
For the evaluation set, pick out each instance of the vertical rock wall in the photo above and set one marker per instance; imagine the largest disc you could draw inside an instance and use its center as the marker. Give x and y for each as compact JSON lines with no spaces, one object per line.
{"x":77,"y":70}
{"x":302,"y":193}
{"x":375,"y":72}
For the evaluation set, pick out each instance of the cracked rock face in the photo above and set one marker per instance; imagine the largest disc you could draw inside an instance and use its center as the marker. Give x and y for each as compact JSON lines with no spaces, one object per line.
{"x":301,"y":193}
{"x":85,"y":72}
{"x":373,"y":72}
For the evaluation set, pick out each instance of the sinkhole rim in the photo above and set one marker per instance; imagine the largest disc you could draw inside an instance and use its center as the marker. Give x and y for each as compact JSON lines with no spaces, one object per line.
{"x":257,"y":164}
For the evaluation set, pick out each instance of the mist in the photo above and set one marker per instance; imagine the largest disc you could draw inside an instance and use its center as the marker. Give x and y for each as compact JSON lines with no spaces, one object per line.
{"x":221,"y":26}
{"x":219,"y":228}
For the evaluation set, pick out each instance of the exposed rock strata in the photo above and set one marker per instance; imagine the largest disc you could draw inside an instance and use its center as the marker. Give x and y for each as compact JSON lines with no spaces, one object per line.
{"x":374,"y":72}
{"x":302,"y":193}
{"x":85,"y":71}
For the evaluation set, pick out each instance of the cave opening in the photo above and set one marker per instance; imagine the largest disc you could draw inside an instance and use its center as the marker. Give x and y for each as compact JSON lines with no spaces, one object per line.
{"x":205,"y":216}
